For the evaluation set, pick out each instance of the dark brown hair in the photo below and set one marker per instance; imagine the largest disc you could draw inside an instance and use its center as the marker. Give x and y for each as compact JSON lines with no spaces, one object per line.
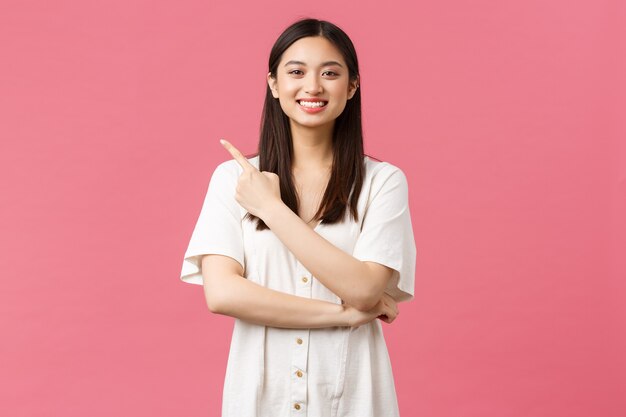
{"x":275,"y":149}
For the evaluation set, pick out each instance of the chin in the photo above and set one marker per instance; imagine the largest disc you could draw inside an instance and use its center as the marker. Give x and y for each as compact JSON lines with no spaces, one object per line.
{"x":312,"y":124}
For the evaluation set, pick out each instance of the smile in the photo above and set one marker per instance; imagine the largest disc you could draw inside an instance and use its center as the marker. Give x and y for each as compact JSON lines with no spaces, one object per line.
{"x":312,"y":106}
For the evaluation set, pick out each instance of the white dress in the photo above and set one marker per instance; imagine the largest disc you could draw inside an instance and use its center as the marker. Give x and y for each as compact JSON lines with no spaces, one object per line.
{"x":325,"y":372}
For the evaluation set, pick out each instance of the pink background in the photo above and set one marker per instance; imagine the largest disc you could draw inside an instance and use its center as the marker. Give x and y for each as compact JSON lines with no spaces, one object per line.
{"x":507,"y":117}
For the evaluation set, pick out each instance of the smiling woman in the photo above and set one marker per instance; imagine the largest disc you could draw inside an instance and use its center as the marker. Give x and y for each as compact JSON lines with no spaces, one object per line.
{"x":307,"y":244}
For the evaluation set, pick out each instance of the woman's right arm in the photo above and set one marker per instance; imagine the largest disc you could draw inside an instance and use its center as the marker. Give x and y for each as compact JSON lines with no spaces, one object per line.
{"x":227,"y":292}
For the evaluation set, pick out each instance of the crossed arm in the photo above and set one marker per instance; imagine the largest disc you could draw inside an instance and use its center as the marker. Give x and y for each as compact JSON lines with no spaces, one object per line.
{"x":229,"y":293}
{"x":360,"y":284}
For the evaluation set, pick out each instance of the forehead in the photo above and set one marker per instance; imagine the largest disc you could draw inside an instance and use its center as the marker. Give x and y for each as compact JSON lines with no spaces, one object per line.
{"x":312,"y":50}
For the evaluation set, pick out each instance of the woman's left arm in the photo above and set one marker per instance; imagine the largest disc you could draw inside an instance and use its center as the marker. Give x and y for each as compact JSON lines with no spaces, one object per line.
{"x":359,"y":283}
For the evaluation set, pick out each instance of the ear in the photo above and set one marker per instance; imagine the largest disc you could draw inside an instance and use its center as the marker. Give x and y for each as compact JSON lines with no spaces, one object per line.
{"x":354,"y":84}
{"x":271,"y":81}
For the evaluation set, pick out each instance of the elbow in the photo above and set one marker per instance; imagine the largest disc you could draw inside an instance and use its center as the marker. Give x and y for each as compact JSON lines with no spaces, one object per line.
{"x":367,"y":301}
{"x":220,"y":284}
{"x":369,"y":297}
{"x":373,"y":288}
{"x":213,"y":306}
{"x":214,"y":300}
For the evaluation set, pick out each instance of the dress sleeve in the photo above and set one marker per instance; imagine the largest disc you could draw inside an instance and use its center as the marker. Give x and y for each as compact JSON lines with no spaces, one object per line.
{"x":386,"y":235}
{"x":218,"y":228}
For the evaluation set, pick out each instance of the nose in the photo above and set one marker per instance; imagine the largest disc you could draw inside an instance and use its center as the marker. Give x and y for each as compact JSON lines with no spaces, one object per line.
{"x":313,"y":85}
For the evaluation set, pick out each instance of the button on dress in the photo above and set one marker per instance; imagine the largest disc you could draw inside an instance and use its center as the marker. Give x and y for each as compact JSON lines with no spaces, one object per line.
{"x":322,"y":372}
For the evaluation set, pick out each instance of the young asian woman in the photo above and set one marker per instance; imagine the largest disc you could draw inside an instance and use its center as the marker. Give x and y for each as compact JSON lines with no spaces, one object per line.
{"x":307,"y":243}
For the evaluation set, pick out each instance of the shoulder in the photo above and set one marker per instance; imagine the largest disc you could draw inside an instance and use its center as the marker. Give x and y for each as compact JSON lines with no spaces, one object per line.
{"x":382,"y":174}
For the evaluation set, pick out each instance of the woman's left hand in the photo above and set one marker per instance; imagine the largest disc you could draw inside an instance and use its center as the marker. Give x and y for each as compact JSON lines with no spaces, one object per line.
{"x":257,"y":191}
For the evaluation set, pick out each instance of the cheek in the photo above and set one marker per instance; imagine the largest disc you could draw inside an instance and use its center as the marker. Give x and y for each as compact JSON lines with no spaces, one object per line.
{"x":341,"y":108}
{"x":287,"y":97}
{"x":287,"y":103}
{"x":286,"y":86}
{"x":283,"y":104}
{"x":340,"y":91}
{"x":340,"y":94}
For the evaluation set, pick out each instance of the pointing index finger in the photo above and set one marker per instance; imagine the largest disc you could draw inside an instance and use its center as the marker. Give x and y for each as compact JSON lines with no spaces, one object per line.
{"x":245,"y":164}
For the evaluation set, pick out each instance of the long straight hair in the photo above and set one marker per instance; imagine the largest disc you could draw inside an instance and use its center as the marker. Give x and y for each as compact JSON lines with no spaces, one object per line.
{"x":275,"y":149}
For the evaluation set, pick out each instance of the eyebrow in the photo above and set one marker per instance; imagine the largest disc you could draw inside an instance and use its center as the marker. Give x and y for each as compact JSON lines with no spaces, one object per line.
{"x":324,"y":64}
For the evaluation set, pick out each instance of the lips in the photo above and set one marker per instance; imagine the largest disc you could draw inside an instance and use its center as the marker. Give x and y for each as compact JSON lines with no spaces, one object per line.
{"x":312,"y":108}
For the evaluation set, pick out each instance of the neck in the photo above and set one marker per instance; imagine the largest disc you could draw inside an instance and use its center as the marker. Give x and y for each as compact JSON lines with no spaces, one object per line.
{"x":312,"y":148}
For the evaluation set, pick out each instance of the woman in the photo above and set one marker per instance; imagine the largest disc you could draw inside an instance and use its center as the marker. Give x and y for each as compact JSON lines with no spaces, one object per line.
{"x":306,"y":244}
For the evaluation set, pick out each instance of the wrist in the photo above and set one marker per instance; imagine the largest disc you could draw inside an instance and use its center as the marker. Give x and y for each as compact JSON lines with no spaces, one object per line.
{"x":273,"y":210}
{"x":344,"y":315}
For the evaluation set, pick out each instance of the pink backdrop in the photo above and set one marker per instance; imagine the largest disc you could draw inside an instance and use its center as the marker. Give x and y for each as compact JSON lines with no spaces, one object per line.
{"x":507,"y":117}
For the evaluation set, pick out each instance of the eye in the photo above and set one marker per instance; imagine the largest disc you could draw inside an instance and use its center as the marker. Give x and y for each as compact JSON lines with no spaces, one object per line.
{"x":332,"y":73}
{"x":292,"y":71}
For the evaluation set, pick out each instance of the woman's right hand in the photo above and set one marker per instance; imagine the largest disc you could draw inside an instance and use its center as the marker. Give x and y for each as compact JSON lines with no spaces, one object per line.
{"x":386,"y":309}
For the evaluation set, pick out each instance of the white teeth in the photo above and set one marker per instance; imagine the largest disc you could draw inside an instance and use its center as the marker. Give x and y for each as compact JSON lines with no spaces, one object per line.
{"x":312,"y":104}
